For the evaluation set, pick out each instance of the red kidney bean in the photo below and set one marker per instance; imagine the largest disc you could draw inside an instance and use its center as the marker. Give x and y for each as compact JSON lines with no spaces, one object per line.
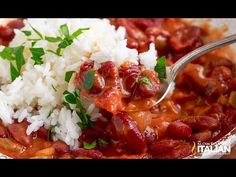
{"x":105,"y":114}
{"x":203,"y":136}
{"x":25,"y":122}
{"x":129,"y":75}
{"x":98,"y":84}
{"x":2,"y":132}
{"x":179,"y":130}
{"x":111,"y":131}
{"x":110,"y":72}
{"x":128,"y":132}
{"x":143,"y":23}
{"x":232,"y":85}
{"x":129,"y":156}
{"x":87,"y":65}
{"x":132,"y":43}
{"x":215,"y":108}
{"x":220,"y":61}
{"x":18,"y":132}
{"x":214,"y":62}
{"x":80,"y":75}
{"x":178,"y":152}
{"x":193,"y":78}
{"x":100,"y":125}
{"x":84,"y":153}
{"x":150,"y":135}
{"x":163,"y":146}
{"x":231,"y":114}
{"x":61,"y":147}
{"x":149,"y":90}
{"x":146,"y":90}
{"x":16,"y":24}
{"x":212,"y":88}
{"x":190,"y":73}
{"x":157,"y":31}
{"x":202,"y":122}
{"x":136,"y":37}
{"x":182,"y":96}
{"x":113,"y":149}
{"x":89,"y":135}
{"x":215,"y":111}
{"x":140,"y":32}
{"x":42,"y":132}
{"x":143,"y":45}
{"x":131,"y":29}
{"x":66,"y":156}
{"x":185,"y":38}
{"x":229,"y":118}
{"x":6,"y":33}
{"x":221,"y":73}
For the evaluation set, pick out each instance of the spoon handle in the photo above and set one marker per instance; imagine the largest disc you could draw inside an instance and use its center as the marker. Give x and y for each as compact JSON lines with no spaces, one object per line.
{"x":181,"y":63}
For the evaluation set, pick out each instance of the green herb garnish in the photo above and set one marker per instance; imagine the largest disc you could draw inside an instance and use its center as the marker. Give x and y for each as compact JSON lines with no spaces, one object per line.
{"x":68,"y":39}
{"x":34,"y":40}
{"x":88,"y":84}
{"x":160,"y":67}
{"x":89,"y":146}
{"x":68,"y":76}
{"x":102,"y":142}
{"x":19,"y":57}
{"x":8,"y":53}
{"x":66,"y":92}
{"x":70,"y":98}
{"x":51,"y":51}
{"x":77,"y":92}
{"x":78,"y":32}
{"x":27,"y":33}
{"x":33,"y":43}
{"x":14,"y":54}
{"x":67,"y":105}
{"x":63,"y":42}
{"x":37,"y":32}
{"x":14,"y":72}
{"x":85,"y":120}
{"x":73,"y":98}
{"x":64,"y":30}
{"x":145,"y":80}
{"x":37,"y":53}
{"x":53,"y":39}
{"x":58,"y":51}
{"x":49,"y":114}
{"x":54,"y":88}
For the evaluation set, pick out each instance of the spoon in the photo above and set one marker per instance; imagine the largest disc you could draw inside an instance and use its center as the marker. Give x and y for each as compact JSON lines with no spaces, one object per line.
{"x":168,"y":83}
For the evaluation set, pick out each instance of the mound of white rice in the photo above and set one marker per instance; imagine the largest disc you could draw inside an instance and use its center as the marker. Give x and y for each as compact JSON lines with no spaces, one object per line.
{"x":32,"y":96}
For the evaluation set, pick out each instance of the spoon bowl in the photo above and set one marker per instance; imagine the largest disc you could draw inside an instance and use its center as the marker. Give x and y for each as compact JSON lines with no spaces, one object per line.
{"x":167,"y":85}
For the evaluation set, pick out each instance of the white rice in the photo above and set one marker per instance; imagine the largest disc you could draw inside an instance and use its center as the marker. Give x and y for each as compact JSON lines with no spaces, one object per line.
{"x":148,"y":59}
{"x":33,"y":90}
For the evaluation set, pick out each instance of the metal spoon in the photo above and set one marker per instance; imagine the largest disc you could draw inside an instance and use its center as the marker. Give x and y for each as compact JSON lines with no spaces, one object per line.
{"x":168,"y":83}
